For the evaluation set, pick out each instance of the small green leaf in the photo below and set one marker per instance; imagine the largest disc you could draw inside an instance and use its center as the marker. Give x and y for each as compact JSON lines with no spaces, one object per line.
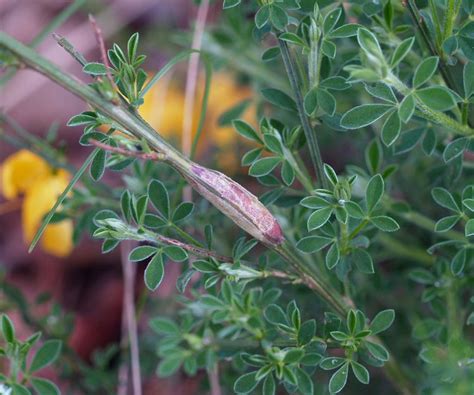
{"x":458,"y":262}
{"x":287,"y":173}
{"x":319,"y":218}
{"x":425,"y":71}
{"x":469,"y":204}
{"x":330,"y":363}
{"x":169,"y":365}
{"x":391,"y":129}
{"x":305,"y":384}
{"x":455,"y":148}
{"x":374,"y":191}
{"x":369,"y":43}
{"x":446,"y":223}
{"x":273,"y":143}
{"x":339,"y":379}
{"x":315,"y":202}
{"x":469,"y":228}
{"x":279,"y":99}
{"x":374,"y":156}
{"x":19,"y":389}
{"x":94,"y":68}
{"x":468,"y":80}
{"x":307,"y":332}
{"x":230,"y":3}
{"x":264,"y":166}
{"x":361,"y":372}
{"x":270,"y":54}
{"x":262,"y":16}
{"x":331,"y":19}
{"x":183,"y":211}
{"x":382,"y":321}
{"x":401,"y":51}
{"x":326,"y":101}
{"x":82,"y":119}
{"x":141,"y":253}
{"x":363,"y":261}
{"x":164,"y":326}
{"x":154,"y":272}
{"x":310,"y":101}
{"x":407,"y":108}
{"x":278,"y":17}
{"x":292,"y":38}
{"x":348,"y":30}
{"x":97,"y":168}
{"x":332,"y":256}
{"x":293,"y":356}
{"x":436,"y":97}
{"x":44,"y":387}
{"x":8,"y":330}
{"x":275,"y":315}
{"x":46,"y":355}
{"x":385,"y":224}
{"x":245,"y":383}
{"x":158,"y":195}
{"x":364,"y":115}
{"x":312,"y":244}
{"x":245,"y":130}
{"x":177,"y":254}
{"x":132,"y":46}
{"x":378,"y":351}
{"x":269,"y":386}
{"x":444,"y":198}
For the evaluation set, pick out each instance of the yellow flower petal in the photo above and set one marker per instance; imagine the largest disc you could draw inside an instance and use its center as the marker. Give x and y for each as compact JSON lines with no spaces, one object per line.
{"x":39,"y":199}
{"x":57,"y":238}
{"x":20,"y":170}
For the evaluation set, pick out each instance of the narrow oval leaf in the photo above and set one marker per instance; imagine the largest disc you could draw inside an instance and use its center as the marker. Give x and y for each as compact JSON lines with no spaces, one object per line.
{"x":46,"y":355}
{"x":319,"y":218}
{"x":154,"y":272}
{"x":312,"y":244}
{"x":364,"y":115}
{"x":382,"y":321}
{"x":158,"y":195}
{"x":339,"y":379}
{"x":374,"y":191}
{"x":425,"y":71}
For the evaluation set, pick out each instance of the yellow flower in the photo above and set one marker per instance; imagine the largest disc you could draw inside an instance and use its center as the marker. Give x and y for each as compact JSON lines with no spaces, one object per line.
{"x":28,"y":174}
{"x":20,"y":170}
{"x":163,"y":109}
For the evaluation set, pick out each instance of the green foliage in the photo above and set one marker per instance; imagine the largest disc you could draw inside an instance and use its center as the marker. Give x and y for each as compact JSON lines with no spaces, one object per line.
{"x":400,"y":80}
{"x":22,"y":373}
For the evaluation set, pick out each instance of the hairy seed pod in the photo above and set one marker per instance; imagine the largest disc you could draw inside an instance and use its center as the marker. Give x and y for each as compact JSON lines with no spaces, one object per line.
{"x":237,"y":203}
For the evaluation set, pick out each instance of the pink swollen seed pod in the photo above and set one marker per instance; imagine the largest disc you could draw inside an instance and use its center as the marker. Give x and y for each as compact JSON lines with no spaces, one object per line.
{"x":238,"y":203}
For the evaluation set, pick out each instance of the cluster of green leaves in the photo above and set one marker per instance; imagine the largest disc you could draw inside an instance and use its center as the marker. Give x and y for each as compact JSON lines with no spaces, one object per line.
{"x":347,"y":247}
{"x":278,"y":144}
{"x":138,"y":223}
{"x":23,"y":374}
{"x":125,"y":70}
{"x":286,"y":350}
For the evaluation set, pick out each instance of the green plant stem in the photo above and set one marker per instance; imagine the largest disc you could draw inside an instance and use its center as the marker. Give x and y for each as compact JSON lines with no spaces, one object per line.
{"x":404,"y":250}
{"x":452,"y":312}
{"x":308,"y":130}
{"x":358,"y":228}
{"x":426,"y":223}
{"x":138,"y":127}
{"x":431,"y":115}
{"x":452,"y":10}
{"x":332,"y":297}
{"x":465,"y":113}
{"x":420,"y":23}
